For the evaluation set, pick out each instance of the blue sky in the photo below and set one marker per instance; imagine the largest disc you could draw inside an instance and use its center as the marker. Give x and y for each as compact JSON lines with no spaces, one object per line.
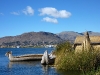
{"x":21,"y":16}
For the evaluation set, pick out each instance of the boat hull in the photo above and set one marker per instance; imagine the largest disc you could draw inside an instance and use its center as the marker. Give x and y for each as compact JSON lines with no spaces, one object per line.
{"x":26,"y":57}
{"x":29,"y":57}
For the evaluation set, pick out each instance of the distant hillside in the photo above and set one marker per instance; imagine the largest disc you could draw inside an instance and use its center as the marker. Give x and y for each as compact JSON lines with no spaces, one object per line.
{"x":30,"y":39}
{"x":93,"y":33}
{"x":71,"y":35}
{"x":41,"y":38}
{"x":68,"y":35}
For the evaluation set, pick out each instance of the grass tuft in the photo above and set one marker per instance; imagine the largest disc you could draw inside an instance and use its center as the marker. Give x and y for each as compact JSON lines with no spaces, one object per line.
{"x":67,"y":59}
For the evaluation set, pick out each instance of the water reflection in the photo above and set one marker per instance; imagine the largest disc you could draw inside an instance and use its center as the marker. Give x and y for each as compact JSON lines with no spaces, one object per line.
{"x":49,"y":70}
{"x":31,"y":68}
{"x":45,"y":69}
{"x":26,"y":63}
{"x":35,"y":68}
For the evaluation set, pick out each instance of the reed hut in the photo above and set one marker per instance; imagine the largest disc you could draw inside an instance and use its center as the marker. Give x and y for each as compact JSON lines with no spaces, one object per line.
{"x":86,"y":42}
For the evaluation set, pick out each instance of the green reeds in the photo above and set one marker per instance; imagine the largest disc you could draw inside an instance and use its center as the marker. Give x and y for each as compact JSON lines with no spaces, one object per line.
{"x":67,"y":59}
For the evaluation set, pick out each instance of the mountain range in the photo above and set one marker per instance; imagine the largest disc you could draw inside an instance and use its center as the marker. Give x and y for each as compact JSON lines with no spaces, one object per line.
{"x":32,"y":39}
{"x":71,"y":35}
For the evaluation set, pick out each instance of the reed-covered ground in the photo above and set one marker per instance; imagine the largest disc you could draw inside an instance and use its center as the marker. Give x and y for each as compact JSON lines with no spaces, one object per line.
{"x":86,"y":61}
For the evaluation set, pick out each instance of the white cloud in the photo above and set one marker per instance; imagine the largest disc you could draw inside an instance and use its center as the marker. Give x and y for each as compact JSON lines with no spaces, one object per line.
{"x":28,"y":11}
{"x":15,"y":13}
{"x":54,"y":12}
{"x":47,"y":19}
{"x":1,"y":14}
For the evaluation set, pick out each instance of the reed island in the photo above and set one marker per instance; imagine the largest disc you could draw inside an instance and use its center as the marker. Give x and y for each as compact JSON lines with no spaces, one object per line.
{"x":83,"y":55}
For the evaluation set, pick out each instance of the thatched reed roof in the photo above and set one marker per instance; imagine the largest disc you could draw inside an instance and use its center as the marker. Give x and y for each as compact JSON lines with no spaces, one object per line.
{"x":93,"y":39}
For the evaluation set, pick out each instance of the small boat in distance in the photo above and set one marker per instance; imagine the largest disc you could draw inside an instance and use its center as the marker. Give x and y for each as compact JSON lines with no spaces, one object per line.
{"x":17,"y":46}
{"x":23,"y":57}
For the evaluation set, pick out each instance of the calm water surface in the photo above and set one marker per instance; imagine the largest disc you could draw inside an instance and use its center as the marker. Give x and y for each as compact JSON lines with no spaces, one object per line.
{"x":27,"y":67}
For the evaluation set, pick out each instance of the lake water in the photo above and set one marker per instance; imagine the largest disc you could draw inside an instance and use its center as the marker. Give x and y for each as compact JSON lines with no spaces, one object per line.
{"x":25,"y":67}
{"x":28,"y":67}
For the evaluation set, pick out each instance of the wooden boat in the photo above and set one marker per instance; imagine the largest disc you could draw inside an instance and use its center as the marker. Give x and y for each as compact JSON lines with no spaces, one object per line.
{"x":23,"y":57}
{"x":48,"y":58}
